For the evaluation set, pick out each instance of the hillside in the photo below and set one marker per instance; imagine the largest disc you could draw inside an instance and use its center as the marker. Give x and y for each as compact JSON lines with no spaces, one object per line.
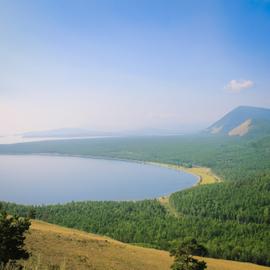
{"x":242,"y":121}
{"x":73,"y":249}
{"x":233,"y":233}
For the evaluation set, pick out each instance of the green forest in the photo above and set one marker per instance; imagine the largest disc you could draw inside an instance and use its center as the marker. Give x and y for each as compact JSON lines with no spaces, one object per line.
{"x":231,"y":218}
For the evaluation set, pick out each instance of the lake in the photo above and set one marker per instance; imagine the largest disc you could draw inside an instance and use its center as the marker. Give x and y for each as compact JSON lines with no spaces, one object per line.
{"x":41,"y":179}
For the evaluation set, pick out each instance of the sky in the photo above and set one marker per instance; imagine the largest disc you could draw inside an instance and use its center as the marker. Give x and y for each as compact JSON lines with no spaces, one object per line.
{"x":130,"y":64}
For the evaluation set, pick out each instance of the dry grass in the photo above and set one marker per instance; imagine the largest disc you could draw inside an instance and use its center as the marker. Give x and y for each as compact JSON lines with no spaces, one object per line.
{"x":214,"y":264}
{"x":72,"y":249}
{"x":51,"y":244}
{"x":206,"y":176}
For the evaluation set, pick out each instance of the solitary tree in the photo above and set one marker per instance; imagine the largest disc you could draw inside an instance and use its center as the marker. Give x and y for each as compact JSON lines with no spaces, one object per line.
{"x":12,"y":230}
{"x":31,"y":213}
{"x":183,"y":256}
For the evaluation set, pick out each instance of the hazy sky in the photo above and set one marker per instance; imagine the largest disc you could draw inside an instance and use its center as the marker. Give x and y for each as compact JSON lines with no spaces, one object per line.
{"x":129,"y":64}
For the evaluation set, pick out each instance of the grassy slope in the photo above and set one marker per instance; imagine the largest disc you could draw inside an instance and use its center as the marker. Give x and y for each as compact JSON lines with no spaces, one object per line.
{"x":55,"y":245}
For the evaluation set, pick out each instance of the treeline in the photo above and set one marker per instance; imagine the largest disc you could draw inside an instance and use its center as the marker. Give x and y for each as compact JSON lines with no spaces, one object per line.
{"x":246,"y":201}
{"x":232,"y":158}
{"x":148,"y":223}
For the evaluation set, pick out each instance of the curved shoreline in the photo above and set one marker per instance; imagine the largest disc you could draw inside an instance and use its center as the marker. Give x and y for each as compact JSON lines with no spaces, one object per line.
{"x":204,"y":175}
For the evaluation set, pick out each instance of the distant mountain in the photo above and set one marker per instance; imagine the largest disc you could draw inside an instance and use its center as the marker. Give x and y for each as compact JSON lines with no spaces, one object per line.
{"x":242,"y":121}
{"x":64,"y":132}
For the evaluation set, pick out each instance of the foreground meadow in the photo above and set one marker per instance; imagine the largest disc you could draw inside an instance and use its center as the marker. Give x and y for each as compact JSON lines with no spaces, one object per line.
{"x":55,"y":247}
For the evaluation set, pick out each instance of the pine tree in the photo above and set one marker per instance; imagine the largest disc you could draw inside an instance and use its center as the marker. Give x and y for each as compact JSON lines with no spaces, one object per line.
{"x":12,"y":230}
{"x":183,"y":256}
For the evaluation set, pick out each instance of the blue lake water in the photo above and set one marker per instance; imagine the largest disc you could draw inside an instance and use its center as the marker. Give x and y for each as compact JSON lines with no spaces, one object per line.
{"x":32,"y":179}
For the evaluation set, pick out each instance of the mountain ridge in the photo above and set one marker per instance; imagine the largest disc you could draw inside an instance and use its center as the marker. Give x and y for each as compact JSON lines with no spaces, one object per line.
{"x":242,"y":121}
